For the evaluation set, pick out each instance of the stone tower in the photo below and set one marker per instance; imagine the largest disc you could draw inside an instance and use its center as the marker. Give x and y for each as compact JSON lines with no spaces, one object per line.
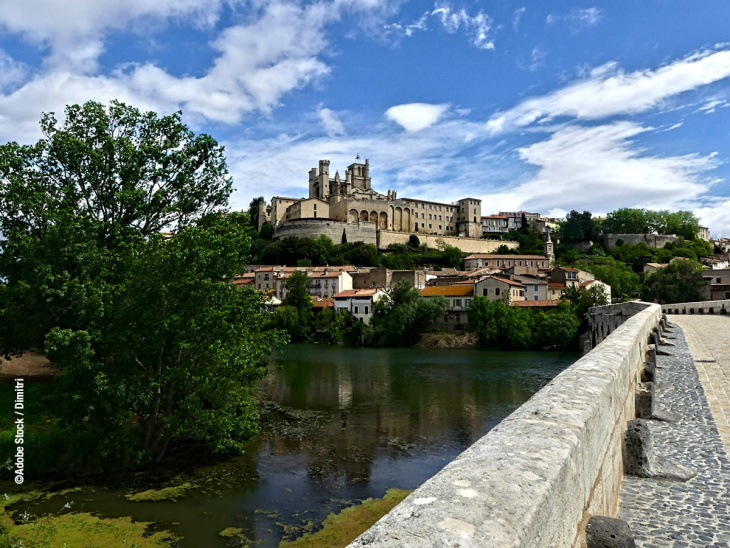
{"x":319,"y":181}
{"x":469,"y":218}
{"x":549,"y":253}
{"x":360,"y":175}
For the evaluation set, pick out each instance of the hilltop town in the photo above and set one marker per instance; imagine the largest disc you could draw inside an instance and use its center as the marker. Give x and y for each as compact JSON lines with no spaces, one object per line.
{"x":493,"y":265}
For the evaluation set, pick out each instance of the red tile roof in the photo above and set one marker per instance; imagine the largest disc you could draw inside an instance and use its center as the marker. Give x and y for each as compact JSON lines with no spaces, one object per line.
{"x":549,"y":302}
{"x":505,"y":280}
{"x":355,"y":293}
{"x":518,"y":257}
{"x":448,"y":290}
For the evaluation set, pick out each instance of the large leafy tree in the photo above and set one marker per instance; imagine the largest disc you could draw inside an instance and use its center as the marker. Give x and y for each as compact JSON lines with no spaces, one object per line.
{"x":680,"y":281}
{"x":156,"y":347}
{"x":644,"y":221}
{"x":121,"y":167}
{"x":402,"y":315}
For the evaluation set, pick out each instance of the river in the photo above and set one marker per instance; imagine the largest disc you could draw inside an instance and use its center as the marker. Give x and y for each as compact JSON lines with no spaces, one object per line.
{"x":340,"y":425}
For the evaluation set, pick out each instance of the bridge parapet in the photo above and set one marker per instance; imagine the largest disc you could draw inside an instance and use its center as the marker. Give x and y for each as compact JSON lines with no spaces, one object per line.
{"x":536,"y":478}
{"x":701,"y":307}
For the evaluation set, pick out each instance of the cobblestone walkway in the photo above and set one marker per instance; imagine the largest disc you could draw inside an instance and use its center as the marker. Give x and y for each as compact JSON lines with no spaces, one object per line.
{"x":664,"y":513}
{"x":709,"y":341}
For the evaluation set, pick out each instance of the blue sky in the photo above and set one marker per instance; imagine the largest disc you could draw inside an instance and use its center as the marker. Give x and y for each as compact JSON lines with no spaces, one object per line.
{"x":545,"y":106}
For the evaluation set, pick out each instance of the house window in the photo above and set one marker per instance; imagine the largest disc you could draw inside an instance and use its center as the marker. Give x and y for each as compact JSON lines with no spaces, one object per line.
{"x":266,"y":277}
{"x":357,"y":309}
{"x":457,"y":302}
{"x":496,"y":291}
{"x":467,"y":302}
{"x":484,"y":292}
{"x":727,"y":294}
{"x":536,"y":298}
{"x":366,"y":309}
{"x":718,"y":280}
{"x":535,"y":287}
{"x":571,"y":275}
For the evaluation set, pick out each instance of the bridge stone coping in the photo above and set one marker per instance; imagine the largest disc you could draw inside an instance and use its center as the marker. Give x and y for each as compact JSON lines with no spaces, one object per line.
{"x":537,"y":477}
{"x":701,"y":307}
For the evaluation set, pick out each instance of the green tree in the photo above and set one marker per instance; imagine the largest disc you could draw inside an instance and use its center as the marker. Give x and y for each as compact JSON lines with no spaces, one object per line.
{"x":157,"y":348}
{"x":298,"y":297}
{"x":681,"y":281}
{"x":579,"y":227}
{"x":402,"y":315}
{"x":558,"y":328}
{"x":253,"y":210}
{"x":627,"y":221}
{"x":124,"y":168}
{"x":414,"y":241}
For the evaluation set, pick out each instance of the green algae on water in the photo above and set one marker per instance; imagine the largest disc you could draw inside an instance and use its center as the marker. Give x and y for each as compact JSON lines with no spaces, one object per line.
{"x":166,"y":493}
{"x":89,"y":531}
{"x":339,"y":530}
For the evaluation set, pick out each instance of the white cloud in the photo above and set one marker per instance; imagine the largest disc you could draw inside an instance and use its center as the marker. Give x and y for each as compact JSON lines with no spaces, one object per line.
{"x":587,"y":16}
{"x":331,"y":122}
{"x":416,"y":116}
{"x":73,"y":30}
{"x":610,"y":93}
{"x":409,"y":30}
{"x":516,"y":16}
{"x":11,"y":71}
{"x":601,"y":169}
{"x":715,"y":215}
{"x":281,"y":47}
{"x":578,"y":19}
{"x":476,"y":27}
{"x":536,"y":60}
{"x":711,"y":106}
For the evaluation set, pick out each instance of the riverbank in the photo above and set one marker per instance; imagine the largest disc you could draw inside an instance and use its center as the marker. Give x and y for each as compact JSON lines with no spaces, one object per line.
{"x":448,"y":340}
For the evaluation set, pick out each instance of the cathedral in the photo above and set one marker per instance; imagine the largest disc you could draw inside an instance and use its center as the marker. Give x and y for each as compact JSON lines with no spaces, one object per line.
{"x":352,"y":200}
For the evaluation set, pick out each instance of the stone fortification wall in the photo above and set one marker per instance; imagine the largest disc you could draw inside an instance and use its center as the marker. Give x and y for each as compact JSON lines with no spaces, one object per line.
{"x":702,"y":307}
{"x":313,"y":228}
{"x":652,"y":240}
{"x":468,"y":245}
{"x":537,"y":476}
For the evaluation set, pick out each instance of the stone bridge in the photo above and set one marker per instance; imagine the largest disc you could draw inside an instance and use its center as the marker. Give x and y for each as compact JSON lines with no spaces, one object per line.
{"x":626,"y":432}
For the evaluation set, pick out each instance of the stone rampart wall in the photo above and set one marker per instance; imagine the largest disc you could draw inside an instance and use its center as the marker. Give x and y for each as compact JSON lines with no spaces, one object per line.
{"x":536,"y":477}
{"x":468,"y":245}
{"x":702,"y":307}
{"x":313,"y":228}
{"x":652,"y":240}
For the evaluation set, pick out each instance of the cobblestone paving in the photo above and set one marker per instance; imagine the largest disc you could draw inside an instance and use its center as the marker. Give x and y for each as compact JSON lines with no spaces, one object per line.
{"x":711,"y":353}
{"x":664,"y":513}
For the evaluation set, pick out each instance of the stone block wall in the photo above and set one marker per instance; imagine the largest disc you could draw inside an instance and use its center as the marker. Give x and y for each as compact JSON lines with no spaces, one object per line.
{"x":652,"y":240}
{"x":603,"y":320}
{"x":313,"y":228}
{"x":535,"y":479}
{"x":468,"y":245}
{"x":702,"y":307}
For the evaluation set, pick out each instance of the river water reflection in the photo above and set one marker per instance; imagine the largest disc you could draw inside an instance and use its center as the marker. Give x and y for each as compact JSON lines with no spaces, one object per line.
{"x":343,"y":424}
